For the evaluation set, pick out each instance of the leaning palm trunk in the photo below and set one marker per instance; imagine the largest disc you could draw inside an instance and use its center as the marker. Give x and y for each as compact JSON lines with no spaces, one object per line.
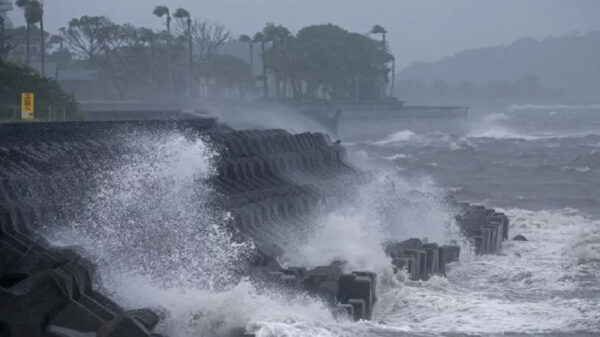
{"x":251,"y":56}
{"x":43,"y":48}
{"x":383,"y":75}
{"x":2,"y":38}
{"x":190,"y":77}
{"x":27,"y":38}
{"x":170,"y":61}
{"x":264,"y":64}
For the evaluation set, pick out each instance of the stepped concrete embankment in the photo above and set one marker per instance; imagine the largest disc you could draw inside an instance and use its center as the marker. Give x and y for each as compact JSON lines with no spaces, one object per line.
{"x":269,"y":180}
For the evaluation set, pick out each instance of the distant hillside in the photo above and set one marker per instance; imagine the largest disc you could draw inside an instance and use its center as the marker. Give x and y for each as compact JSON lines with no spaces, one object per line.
{"x":569,"y":62}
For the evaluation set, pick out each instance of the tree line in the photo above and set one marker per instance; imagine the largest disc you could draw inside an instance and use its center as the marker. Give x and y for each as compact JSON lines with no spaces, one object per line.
{"x":185,"y":58}
{"x":50,"y":99}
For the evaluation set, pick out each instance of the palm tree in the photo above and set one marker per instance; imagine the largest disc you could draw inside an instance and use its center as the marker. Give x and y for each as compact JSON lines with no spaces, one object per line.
{"x":161,"y":11}
{"x":42,"y":40}
{"x":393,"y":76}
{"x":246,"y":39}
{"x":259,"y":37}
{"x":181,"y":14}
{"x":278,"y":36}
{"x":377,"y":29}
{"x":33,"y":13}
{"x":3,"y":46}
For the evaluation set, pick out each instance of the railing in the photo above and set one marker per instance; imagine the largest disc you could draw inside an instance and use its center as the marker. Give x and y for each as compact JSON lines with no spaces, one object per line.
{"x":12,"y":114}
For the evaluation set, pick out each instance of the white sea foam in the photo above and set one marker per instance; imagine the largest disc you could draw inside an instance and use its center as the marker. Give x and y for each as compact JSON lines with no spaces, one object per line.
{"x":197,"y":312}
{"x":387,"y":207}
{"x":553,"y":107}
{"x":580,"y":169}
{"x":157,"y":240}
{"x":500,"y":126}
{"x":494,"y":126}
{"x":531,"y":287}
{"x":150,"y":226}
{"x":396,"y":156}
{"x":400,"y":136}
{"x":500,"y":133}
{"x":406,"y":137}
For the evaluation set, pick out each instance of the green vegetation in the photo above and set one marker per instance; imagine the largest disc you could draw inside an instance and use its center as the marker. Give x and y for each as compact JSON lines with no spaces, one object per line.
{"x":49,"y":97}
{"x":5,"y":44}
{"x":34,"y":13}
{"x":186,"y":59}
{"x":326,"y":61}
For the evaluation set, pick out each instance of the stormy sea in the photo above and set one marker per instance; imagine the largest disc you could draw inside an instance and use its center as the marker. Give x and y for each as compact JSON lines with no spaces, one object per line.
{"x":538,"y":164}
{"x":541,"y":165}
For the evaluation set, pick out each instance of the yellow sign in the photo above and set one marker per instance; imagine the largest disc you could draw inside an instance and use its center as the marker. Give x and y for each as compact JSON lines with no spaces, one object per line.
{"x":27,"y":106}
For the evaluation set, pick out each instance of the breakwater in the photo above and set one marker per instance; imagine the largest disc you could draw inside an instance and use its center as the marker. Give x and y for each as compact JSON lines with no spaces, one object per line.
{"x":268,"y":180}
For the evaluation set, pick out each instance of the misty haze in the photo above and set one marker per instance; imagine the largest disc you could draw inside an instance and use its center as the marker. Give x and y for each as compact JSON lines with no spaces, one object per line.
{"x":303,"y":168}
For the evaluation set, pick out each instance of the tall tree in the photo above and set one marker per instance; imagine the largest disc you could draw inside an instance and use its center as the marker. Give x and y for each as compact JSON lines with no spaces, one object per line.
{"x":62,"y":56}
{"x":42,"y":40}
{"x":377,"y":29}
{"x":182,"y":14}
{"x":32,"y":10}
{"x":332,"y":63}
{"x":5,"y":45}
{"x":209,"y":37}
{"x":24,"y":5}
{"x":246,"y":39}
{"x":206,"y":38}
{"x":226,"y":72}
{"x":88,"y":36}
{"x":277,"y":57}
{"x":161,"y":11}
{"x":260,"y":38}
{"x":392,"y":89}
{"x":129,"y":65}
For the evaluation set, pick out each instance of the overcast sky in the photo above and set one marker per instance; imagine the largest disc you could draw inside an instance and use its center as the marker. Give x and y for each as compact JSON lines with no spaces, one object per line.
{"x":418,"y":29}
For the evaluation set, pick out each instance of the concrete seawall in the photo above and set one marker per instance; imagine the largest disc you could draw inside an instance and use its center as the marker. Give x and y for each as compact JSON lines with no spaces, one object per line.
{"x":268,"y":179}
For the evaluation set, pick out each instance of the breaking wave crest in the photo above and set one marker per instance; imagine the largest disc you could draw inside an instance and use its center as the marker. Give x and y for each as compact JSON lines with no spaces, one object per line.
{"x":533,"y":287}
{"x":150,"y":224}
{"x":147,"y":213}
{"x":495,"y":126}
{"x":152,"y":227}
{"x":518,"y":107}
{"x":384,"y":208}
{"x":400,"y":136}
